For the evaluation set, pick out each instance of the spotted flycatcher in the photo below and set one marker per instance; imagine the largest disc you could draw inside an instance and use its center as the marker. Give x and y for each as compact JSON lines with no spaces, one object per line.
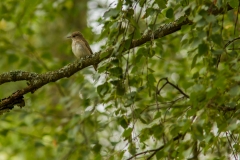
{"x":80,"y":46}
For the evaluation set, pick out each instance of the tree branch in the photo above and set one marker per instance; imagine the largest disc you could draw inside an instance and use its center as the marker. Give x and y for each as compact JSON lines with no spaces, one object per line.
{"x":13,"y":76}
{"x":229,"y":42}
{"x":154,"y":150}
{"x":173,"y":85}
{"x":39,"y":80}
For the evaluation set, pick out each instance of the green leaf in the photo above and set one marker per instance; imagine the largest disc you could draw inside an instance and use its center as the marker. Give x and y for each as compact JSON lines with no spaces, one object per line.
{"x":143,"y":137}
{"x":217,"y":52}
{"x":150,"y":70}
{"x":194,"y":61}
{"x":211,"y":18}
{"x":122,"y":121}
{"x":132,"y":148}
{"x":103,"y":89}
{"x":39,"y":144}
{"x":24,"y":62}
{"x":115,"y":62}
{"x":138,"y":57}
{"x":120,"y":88}
{"x":160,"y":154}
{"x":233,"y":3}
{"x":116,"y":71}
{"x":217,"y":38}
{"x":142,"y":120}
{"x":127,"y":43}
{"x":201,"y":96}
{"x":104,"y":54}
{"x":129,"y":102}
{"x":113,"y":12}
{"x":211,"y":92}
{"x":142,"y":2}
{"x":103,"y":68}
{"x":169,"y":13}
{"x":203,"y":49}
{"x":134,"y":81}
{"x":47,"y":55}
{"x":36,"y":67}
{"x":157,"y":130}
{"x":161,"y":3}
{"x":12,"y":58}
{"x":201,"y":23}
{"x":236,"y":78}
{"x":114,"y":30}
{"x":115,"y":82}
{"x":141,"y":51}
{"x":151,"y":79}
{"x":195,"y":42}
{"x":62,"y":137}
{"x":130,"y":12}
{"x":134,"y":23}
{"x":97,"y":147}
{"x":149,"y":12}
{"x":234,"y":91}
{"x":4,"y":132}
{"x":127,"y":132}
{"x":185,"y":28}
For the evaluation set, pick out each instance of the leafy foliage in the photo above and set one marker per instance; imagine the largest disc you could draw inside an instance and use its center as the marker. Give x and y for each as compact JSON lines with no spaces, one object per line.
{"x":175,"y":97}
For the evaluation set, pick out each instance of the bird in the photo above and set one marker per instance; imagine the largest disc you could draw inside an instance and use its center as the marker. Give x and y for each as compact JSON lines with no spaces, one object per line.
{"x":80,"y":46}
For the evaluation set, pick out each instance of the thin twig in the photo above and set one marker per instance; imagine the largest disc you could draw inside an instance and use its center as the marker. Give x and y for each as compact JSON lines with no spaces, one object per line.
{"x":158,"y":91}
{"x":158,"y":149}
{"x":229,"y":42}
{"x":235,"y":26}
{"x":173,"y":85}
{"x":154,"y":150}
{"x":235,"y":156}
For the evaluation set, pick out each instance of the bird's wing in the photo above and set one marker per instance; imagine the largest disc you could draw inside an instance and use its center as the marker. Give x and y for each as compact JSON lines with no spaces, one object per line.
{"x":86,"y":43}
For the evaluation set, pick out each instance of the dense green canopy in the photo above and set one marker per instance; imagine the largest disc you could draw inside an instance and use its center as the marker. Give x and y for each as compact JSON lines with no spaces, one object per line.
{"x":167,"y":85}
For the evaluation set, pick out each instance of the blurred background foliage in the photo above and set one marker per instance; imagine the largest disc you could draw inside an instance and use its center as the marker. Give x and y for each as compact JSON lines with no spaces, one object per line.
{"x":184,"y":85}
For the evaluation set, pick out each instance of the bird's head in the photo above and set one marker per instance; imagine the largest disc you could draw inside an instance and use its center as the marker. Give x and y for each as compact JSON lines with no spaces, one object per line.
{"x":75,"y":35}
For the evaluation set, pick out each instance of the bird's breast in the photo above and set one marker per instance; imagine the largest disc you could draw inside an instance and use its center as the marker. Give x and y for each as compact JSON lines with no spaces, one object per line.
{"x":79,"y":50}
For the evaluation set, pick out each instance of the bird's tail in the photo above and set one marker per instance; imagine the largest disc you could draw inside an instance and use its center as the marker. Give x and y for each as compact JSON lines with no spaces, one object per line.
{"x":95,"y":67}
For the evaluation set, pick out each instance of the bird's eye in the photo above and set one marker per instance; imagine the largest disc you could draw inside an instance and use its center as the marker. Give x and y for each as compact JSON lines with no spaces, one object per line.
{"x":74,"y":36}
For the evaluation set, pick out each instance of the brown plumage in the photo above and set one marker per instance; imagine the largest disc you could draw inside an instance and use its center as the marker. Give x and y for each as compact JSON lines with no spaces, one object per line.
{"x":80,"y":46}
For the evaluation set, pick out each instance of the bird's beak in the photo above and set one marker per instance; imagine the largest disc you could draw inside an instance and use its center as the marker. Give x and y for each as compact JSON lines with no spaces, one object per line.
{"x":69,"y":36}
